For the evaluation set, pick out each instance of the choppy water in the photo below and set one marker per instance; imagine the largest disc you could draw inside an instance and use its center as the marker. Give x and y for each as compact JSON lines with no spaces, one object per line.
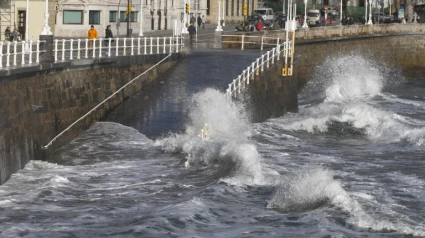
{"x":349,"y":164}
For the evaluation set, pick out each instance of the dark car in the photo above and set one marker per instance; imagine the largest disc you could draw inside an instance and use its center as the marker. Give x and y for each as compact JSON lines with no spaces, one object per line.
{"x":281,"y":18}
{"x":382,"y":18}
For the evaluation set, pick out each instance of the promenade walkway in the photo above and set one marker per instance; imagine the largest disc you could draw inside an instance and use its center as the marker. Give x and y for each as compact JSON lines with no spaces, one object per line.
{"x":14,"y":57}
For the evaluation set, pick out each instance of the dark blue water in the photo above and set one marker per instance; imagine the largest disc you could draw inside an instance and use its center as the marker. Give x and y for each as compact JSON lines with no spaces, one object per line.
{"x":349,"y":164}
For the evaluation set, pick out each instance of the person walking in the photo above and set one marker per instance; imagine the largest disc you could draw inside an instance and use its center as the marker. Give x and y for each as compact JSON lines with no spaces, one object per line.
{"x":199,"y":21}
{"x":192,"y":31}
{"x":108,"y":35}
{"x":8,"y":34}
{"x":204,"y":20}
{"x":92,"y":35}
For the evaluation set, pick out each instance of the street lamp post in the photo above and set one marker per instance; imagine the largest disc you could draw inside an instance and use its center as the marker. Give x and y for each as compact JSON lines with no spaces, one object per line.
{"x":46,"y":28}
{"x":218,"y":22}
{"x":370,"y":13}
{"x":224,"y":24}
{"x":305,"y":25}
{"x":141,"y":19}
{"x":365,"y":14}
{"x":340,"y":14}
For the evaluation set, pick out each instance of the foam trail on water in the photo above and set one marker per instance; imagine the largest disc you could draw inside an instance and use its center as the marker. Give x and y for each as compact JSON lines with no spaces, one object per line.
{"x":227,"y":143}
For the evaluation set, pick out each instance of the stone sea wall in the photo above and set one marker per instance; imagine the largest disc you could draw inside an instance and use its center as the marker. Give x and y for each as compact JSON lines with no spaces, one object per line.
{"x":35,"y":106}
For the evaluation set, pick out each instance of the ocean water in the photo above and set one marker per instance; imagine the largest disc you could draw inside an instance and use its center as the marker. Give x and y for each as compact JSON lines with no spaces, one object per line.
{"x":349,"y":164}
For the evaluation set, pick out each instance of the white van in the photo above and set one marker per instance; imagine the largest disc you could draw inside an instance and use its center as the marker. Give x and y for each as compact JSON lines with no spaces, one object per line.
{"x":313,"y":17}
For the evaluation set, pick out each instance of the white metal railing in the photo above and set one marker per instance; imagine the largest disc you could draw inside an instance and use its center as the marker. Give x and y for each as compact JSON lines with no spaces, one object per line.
{"x":19,"y":53}
{"x":270,"y":57}
{"x":250,"y":40}
{"x":69,"y":49}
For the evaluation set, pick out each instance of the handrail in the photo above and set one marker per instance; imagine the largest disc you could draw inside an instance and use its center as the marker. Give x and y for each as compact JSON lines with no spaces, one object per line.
{"x":258,"y":65}
{"x":244,"y":40}
{"x":23,"y":50}
{"x":57,"y":136}
{"x":65,"y":49}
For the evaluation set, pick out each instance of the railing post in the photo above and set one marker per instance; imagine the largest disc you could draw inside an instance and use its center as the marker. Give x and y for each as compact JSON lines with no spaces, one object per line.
{"x":23,"y":53}
{"x":243,"y":42}
{"x":157,"y":45}
{"x":63,"y":49}
{"x":171,"y":44}
{"x":165,"y":44}
{"x":258,"y":66}
{"x":109,"y":46}
{"x":273,"y":54}
{"x":243,"y":79}
{"x":252,"y":73}
{"x":100,"y":47}
{"x":125,"y":46}
{"x":87,"y":48}
{"x":278,"y":49}
{"x":262,"y":63}
{"x":138,"y":45}
{"x":30,"y":58}
{"x":177,"y":44}
{"x":78,"y":48}
{"x":94,"y":48}
{"x":145,"y":45}
{"x":151,"y":43}
{"x":116,"y":49}
{"x":1,"y":54}
{"x":15,"y":53}
{"x":8,"y":55}
{"x":247,"y":75}
{"x":71,"y":49}
{"x":234,"y":87}
{"x":132,"y":46}
{"x":239,"y":84}
{"x":37,"y":57}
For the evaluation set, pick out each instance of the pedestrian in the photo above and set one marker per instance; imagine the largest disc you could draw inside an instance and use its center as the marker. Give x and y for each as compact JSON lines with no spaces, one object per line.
{"x":108,"y":35}
{"x":204,"y":20}
{"x":259,"y":25}
{"x":199,"y":21}
{"x":7,"y":34}
{"x":92,"y":35}
{"x":192,"y":31}
{"x":192,"y":20}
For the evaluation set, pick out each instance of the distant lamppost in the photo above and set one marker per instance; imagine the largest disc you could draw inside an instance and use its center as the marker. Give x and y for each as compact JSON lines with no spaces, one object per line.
{"x":218,"y":22}
{"x":370,"y":13}
{"x":340,"y":14}
{"x":365,"y":14}
{"x":141,"y":19}
{"x":46,"y":28}
{"x":224,"y":24}
{"x":305,"y":15}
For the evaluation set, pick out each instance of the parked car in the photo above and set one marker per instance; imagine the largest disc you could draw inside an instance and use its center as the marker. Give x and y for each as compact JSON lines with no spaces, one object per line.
{"x":382,"y":18}
{"x":313,"y":17}
{"x":330,"y":10}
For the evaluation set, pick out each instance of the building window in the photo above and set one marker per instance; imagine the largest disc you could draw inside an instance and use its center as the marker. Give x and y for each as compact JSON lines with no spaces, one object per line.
{"x":227,"y":7}
{"x":133,"y":16}
{"x":94,"y":17}
{"x":112,"y":16}
{"x":72,"y":17}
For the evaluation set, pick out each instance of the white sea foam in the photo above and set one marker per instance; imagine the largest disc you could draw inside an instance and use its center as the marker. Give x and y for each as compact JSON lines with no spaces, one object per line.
{"x":313,"y":187}
{"x":348,"y":97}
{"x":227,"y":140}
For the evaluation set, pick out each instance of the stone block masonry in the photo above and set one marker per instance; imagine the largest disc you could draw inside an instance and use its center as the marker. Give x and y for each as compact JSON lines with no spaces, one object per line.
{"x":35,"y":106}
